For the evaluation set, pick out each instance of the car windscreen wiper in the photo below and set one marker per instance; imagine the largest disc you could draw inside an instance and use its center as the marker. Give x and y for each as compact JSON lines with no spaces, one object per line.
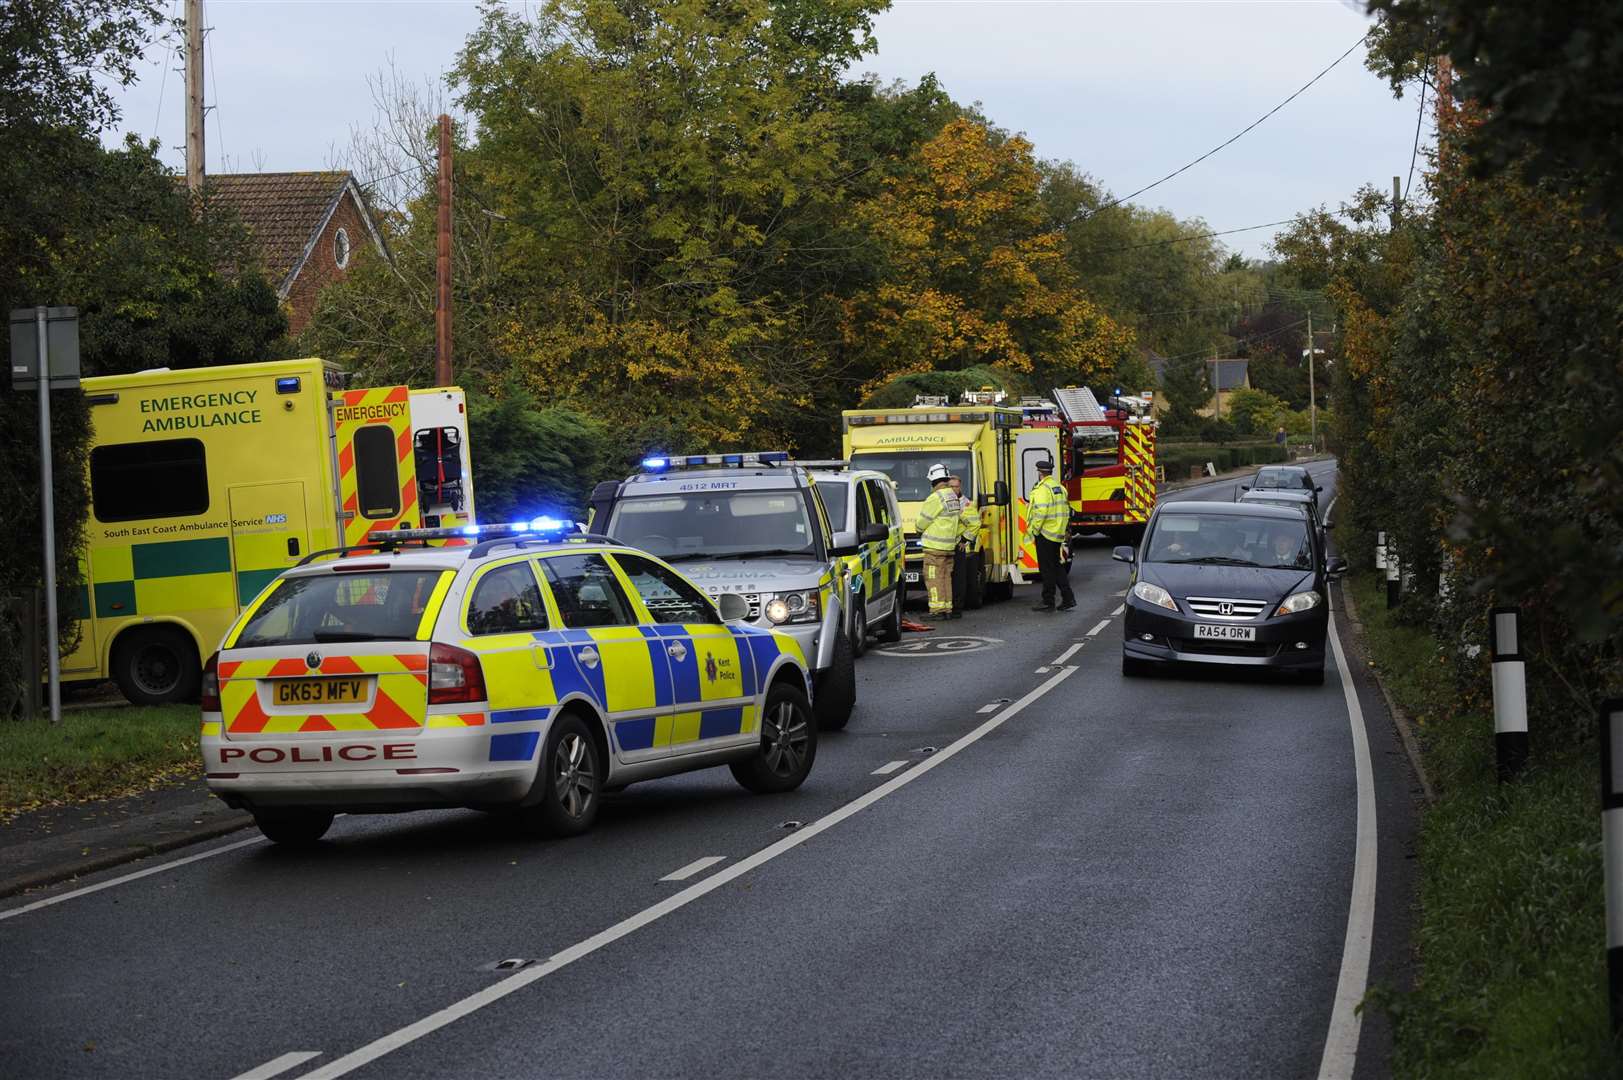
{"x":1215,"y":560}
{"x":763,"y":553}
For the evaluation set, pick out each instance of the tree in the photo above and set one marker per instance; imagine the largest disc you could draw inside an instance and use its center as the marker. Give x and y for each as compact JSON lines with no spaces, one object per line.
{"x":1186,"y":390}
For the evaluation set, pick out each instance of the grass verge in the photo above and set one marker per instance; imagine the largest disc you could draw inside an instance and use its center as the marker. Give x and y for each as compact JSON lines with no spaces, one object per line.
{"x":93,"y":754}
{"x":1510,"y":968}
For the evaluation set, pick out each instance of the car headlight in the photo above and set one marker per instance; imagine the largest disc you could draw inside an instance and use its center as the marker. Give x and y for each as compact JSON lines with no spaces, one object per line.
{"x":1153,"y":594}
{"x":793,"y":607}
{"x":1302,"y":601}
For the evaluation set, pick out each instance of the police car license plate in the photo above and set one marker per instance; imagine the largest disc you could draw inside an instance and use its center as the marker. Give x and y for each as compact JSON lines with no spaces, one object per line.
{"x":912,"y":577}
{"x":1225,"y":633}
{"x":319,"y":691}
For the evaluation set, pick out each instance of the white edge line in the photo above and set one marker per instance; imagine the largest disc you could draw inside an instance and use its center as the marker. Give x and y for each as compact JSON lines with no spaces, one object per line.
{"x":1341,"y":1042}
{"x":279,"y":1065}
{"x":685,"y":872}
{"x":108,"y":884}
{"x":1324,"y":518}
{"x":1119,"y":609}
{"x":888,"y":767}
{"x":1102,"y":624}
{"x":1067,"y":654}
{"x":525,"y":976}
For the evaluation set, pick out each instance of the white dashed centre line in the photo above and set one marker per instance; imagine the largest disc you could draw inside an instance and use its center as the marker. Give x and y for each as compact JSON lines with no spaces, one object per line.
{"x":887,"y":768}
{"x":279,"y":1065}
{"x":694,"y":867}
{"x":1067,"y":654}
{"x":1095,"y":631}
{"x":1119,"y":609}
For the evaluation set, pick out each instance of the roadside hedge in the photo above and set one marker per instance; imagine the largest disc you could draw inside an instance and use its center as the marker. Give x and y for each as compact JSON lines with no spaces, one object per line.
{"x":1178,"y":459}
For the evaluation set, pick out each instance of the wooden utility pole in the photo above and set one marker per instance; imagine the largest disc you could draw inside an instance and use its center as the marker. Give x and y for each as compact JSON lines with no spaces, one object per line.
{"x":1312,"y":391}
{"x":194,"y":97}
{"x":442,"y":308}
{"x":1397,"y":200}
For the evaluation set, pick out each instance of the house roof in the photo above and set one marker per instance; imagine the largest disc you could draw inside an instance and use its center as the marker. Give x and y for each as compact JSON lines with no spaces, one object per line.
{"x":286,"y":212}
{"x":1227,"y":374}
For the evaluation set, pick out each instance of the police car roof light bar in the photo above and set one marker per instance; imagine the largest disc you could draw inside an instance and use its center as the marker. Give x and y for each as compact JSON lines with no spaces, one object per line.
{"x":701,"y":461}
{"x":830,"y":465}
{"x":523,"y":540}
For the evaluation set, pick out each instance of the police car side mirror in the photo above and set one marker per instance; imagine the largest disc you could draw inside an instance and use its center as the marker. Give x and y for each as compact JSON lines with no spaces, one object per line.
{"x":1318,"y":487}
{"x":1124,"y":554}
{"x":873,"y":534}
{"x":733,"y":607}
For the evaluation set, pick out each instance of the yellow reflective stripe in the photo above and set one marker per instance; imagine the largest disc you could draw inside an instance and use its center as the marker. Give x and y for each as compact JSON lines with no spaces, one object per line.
{"x":248,"y":613}
{"x":211,"y":728}
{"x":425,"y":628}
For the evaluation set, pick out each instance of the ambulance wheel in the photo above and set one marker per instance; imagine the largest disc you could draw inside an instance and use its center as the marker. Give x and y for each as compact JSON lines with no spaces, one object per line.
{"x":156,"y":666}
{"x":837,"y":687}
{"x":293,"y":828}
{"x":892,"y":630}
{"x":975,"y":586}
{"x":570,"y":781}
{"x":859,"y":627}
{"x":1000,"y":590}
{"x":788,"y":744}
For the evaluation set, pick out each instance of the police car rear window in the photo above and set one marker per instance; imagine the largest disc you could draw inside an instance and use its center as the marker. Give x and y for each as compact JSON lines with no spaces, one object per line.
{"x":385,"y":605}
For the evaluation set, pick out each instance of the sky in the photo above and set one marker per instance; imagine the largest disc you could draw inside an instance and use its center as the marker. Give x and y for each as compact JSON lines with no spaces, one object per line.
{"x":1127,"y":91}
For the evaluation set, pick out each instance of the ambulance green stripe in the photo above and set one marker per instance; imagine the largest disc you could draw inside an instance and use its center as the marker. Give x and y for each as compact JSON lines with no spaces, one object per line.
{"x":109,"y":593}
{"x":178,"y":558}
{"x":251,"y":582}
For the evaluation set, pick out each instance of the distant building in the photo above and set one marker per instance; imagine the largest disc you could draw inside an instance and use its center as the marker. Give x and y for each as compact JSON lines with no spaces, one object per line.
{"x":308,"y":228}
{"x":1225,"y":377}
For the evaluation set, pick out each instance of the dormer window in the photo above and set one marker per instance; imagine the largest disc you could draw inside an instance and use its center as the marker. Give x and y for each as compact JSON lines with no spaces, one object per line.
{"x":340,"y":248}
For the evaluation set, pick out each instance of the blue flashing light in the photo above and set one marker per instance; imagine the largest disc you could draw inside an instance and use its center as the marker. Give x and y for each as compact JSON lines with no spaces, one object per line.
{"x":732,"y":459}
{"x":771,"y":457}
{"x":655,"y":462}
{"x":697,"y":459}
{"x":288,"y":384}
{"x":471,"y":530}
{"x":548,"y":524}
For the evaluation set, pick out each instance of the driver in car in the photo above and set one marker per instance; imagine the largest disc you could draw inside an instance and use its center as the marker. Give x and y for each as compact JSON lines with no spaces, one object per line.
{"x":1286,"y":547}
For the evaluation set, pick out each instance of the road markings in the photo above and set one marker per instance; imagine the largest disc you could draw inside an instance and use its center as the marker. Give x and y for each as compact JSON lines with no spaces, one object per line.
{"x":694,"y":867}
{"x":676,"y":901}
{"x":990,"y":706}
{"x":278,"y":1066}
{"x":1119,"y":609}
{"x":99,"y":886}
{"x":1042,"y":671}
{"x":1095,"y":631}
{"x":1324,"y":518}
{"x":1122,"y":593}
{"x":1066,"y":655}
{"x":891,"y":766}
{"x":1341,"y":1043}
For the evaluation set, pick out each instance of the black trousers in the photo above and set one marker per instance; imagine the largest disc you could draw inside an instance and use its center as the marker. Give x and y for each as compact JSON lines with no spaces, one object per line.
{"x":960,"y":578}
{"x":1055,"y":574}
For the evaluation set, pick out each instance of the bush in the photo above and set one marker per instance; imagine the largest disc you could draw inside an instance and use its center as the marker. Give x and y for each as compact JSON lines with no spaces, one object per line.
{"x":530,"y":460}
{"x":1178,"y":458}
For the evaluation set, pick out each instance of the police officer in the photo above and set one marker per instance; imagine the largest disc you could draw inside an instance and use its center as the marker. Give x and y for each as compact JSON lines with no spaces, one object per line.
{"x":1048,"y":520}
{"x":970,"y":518}
{"x":939,"y":527}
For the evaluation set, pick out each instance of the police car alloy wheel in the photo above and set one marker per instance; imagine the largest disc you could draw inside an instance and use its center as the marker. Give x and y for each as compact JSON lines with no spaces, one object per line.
{"x":788,"y":744}
{"x":570,"y":779}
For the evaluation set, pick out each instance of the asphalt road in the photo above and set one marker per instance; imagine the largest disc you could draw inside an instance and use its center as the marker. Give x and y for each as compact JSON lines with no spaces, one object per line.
{"x":1067,"y":874}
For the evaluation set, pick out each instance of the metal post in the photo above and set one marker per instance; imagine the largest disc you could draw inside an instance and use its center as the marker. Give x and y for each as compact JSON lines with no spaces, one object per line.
{"x":1394,"y":575}
{"x":1611,"y":827}
{"x":442,"y":308}
{"x":48,"y":514}
{"x":1380,"y":550}
{"x":1509,"y":691}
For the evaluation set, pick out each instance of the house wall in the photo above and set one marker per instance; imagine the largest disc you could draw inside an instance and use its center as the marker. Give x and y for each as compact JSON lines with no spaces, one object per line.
{"x":321,"y":269}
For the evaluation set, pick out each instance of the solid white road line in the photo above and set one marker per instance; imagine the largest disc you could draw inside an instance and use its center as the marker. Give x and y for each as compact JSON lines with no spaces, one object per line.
{"x":278,"y":1066}
{"x":1067,"y":654}
{"x":1324,"y":518}
{"x":991,"y":706}
{"x":108,"y":884}
{"x":535,"y":972}
{"x":1122,"y":593}
{"x":1102,"y":624}
{"x":1341,"y":1043}
{"x":888,"y":767}
{"x":694,"y":867}
{"x":1119,"y":609}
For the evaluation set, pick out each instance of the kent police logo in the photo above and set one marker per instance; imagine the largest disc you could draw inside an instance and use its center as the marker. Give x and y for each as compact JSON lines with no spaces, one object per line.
{"x":710,"y":668}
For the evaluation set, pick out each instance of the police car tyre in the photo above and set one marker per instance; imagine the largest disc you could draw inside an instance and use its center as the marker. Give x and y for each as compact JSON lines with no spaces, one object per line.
{"x":788,"y":744}
{"x":156,"y":666}
{"x":570,"y":779}
{"x":859,"y":627}
{"x":293,"y":828}
{"x":891,"y":631}
{"x":975,"y":581}
{"x":1134,"y":668}
{"x":837,"y":687}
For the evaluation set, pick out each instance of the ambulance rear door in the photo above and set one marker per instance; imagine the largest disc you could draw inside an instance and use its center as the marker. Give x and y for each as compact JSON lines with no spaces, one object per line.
{"x":1031,"y":445}
{"x":444,"y":465}
{"x":377,"y":478}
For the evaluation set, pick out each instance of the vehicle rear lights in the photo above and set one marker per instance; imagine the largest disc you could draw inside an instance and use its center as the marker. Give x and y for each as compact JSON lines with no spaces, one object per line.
{"x":424,"y":772}
{"x":208,"y":696}
{"x":454,"y":675}
{"x":343,"y":567}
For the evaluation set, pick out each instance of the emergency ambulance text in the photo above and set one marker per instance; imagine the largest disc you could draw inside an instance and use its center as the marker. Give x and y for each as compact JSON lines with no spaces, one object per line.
{"x":227,"y":405}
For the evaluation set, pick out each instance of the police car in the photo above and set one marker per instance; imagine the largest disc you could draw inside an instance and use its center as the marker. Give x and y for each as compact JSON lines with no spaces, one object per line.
{"x":532,"y":670}
{"x":754,"y":526}
{"x":862,"y":508}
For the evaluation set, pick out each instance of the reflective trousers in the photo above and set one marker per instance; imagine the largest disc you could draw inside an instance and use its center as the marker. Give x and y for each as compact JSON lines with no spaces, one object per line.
{"x":938,"y":579}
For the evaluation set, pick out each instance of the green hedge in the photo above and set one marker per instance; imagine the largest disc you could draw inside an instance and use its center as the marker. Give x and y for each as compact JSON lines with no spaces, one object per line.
{"x":1177,"y":460}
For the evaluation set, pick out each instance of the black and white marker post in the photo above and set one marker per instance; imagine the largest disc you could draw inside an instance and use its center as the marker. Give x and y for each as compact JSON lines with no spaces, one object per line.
{"x":1509,"y":691}
{"x":1394,"y":575}
{"x":1611,"y":830}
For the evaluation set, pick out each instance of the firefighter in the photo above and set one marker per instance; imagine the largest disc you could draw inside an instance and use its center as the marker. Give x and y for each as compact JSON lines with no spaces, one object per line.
{"x":1048,"y":517}
{"x":969,"y":518}
{"x":939,"y":527}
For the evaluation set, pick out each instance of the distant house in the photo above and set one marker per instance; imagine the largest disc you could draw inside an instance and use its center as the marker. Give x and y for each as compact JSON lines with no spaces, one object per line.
{"x":1225,"y":377}
{"x":308,"y":228}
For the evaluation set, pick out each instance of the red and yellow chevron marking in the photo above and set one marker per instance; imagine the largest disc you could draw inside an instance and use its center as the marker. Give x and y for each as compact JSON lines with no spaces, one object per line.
{"x":388,"y":406}
{"x":1028,"y":546}
{"x":400,"y":703}
{"x":1138,"y":455}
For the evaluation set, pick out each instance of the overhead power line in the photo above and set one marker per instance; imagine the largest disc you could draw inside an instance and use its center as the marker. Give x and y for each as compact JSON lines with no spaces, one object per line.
{"x":1233,"y":138}
{"x":1418,"y":120}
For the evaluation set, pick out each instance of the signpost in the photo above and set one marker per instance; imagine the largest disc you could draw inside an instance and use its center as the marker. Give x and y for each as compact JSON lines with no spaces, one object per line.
{"x":45,"y":355}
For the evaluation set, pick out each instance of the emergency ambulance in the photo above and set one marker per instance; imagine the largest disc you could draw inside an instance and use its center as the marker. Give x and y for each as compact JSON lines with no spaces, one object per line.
{"x":533,"y":670}
{"x":206,"y":483}
{"x":1109,"y":464}
{"x":992,"y":448}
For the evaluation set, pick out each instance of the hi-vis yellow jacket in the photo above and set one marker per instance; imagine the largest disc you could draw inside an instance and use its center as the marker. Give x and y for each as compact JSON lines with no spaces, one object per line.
{"x":938,"y":522}
{"x":1049,"y":512}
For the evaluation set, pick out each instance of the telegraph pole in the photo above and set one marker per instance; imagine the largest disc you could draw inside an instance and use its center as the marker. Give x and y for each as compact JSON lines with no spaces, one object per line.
{"x":1312,"y":393}
{"x":442,"y":308}
{"x":194,"y":98}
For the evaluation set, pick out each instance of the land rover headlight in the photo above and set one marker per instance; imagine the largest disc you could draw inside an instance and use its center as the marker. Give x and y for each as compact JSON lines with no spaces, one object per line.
{"x":1151,"y":593}
{"x":1302,"y":601}
{"x":793,"y":607}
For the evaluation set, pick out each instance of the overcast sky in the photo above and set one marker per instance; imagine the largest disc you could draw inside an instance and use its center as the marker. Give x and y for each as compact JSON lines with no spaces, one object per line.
{"x":1129,"y":91}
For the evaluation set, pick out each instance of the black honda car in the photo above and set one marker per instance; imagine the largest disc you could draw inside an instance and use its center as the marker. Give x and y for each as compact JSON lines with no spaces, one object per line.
{"x":1228,"y":583}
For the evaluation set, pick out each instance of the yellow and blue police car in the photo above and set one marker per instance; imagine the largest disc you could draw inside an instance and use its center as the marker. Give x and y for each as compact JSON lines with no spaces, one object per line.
{"x":534,"y":669}
{"x":866,"y":518}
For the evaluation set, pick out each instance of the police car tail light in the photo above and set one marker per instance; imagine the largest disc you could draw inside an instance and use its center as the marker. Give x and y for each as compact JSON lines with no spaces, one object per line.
{"x":208,"y":696}
{"x":454,"y":675}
